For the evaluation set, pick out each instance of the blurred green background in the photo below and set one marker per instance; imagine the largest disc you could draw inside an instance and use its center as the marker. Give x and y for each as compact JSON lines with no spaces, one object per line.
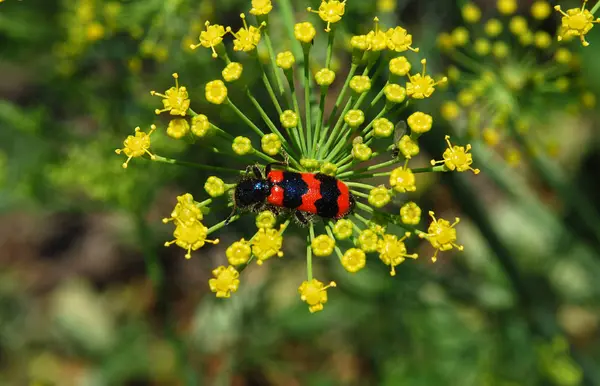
{"x":89,"y":296}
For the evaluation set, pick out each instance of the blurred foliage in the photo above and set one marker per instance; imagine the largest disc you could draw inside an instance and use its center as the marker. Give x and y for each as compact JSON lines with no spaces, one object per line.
{"x":88,"y":295}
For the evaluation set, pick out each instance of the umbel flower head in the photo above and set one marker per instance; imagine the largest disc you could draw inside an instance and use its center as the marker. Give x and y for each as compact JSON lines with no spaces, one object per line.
{"x":508,"y":78}
{"x":335,"y":175}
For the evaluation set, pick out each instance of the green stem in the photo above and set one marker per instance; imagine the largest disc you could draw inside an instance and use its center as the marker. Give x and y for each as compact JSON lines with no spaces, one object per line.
{"x":299,"y":130}
{"x":595,"y":8}
{"x":307,"y":106}
{"x":270,"y":91}
{"x":318,"y":133}
{"x":360,"y":185}
{"x":195,"y":165}
{"x":287,"y":14}
{"x":325,"y":149}
{"x":244,"y":118}
{"x":330,"y":48}
{"x":273,"y":62}
{"x":340,"y":98}
{"x":309,"y":238}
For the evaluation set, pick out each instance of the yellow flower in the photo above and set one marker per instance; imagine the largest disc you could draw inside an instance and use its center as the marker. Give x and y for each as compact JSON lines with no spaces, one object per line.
{"x":325,"y":77}
{"x":94,"y":31}
{"x":289,"y":119}
{"x":359,"y":42}
{"x":314,"y":293}
{"x":399,"y":40}
{"x":367,"y":240}
{"x":200,"y":125}
{"x":215,"y":92}
{"x":482,"y":47}
{"x":330,"y":11}
{"x":392,"y":251}
{"x":210,"y":38}
{"x":490,"y":136}
{"x":442,"y":235}
{"x":360,"y":84}
{"x":328,"y":168}
{"x":420,"y":122}
{"x":354,"y":260}
{"x":410,"y":213}
{"x":588,"y":100}
{"x":175,"y":100}
{"x":450,"y":110}
{"x":460,"y":36}
{"x":309,"y":163}
{"x":285,"y":60}
{"x":190,"y":236}
{"x":261,"y":7}
{"x":361,"y":152}
{"x":540,"y":9}
{"x":271,"y":144}
{"x":342,"y":229}
{"x":422,"y":85}
{"x":225,"y":281}
{"x":466,"y":97}
{"x":304,"y":32}
{"x":395,"y":93}
{"x":178,"y":128}
{"x":408,"y":147}
{"x":239,"y":252}
{"x":507,"y":7}
{"x":232,"y":72}
{"x":399,"y":66}
{"x":471,"y":13}
{"x":382,"y":128}
{"x":500,"y":50}
{"x":266,"y":219}
{"x":322,"y":245}
{"x":242,"y":145}
{"x":542,"y":39}
{"x":214,"y":186}
{"x":186,"y":211}
{"x":493,"y":27}
{"x":457,"y":158}
{"x":246,"y":38}
{"x":377,"y":40}
{"x":354,"y":118}
{"x":402,"y":180}
{"x":137,"y":145}
{"x":577,"y":22}
{"x":266,"y":244}
{"x":518,"y":25}
{"x":563,"y":55}
{"x":379,"y":196}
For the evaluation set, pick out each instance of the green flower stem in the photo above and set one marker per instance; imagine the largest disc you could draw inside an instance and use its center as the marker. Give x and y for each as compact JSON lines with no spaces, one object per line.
{"x":440,"y":168}
{"x":595,"y":8}
{"x":300,"y":132}
{"x":362,"y":219}
{"x":272,"y":58}
{"x":221,"y":224}
{"x":265,"y":157}
{"x":270,"y":91}
{"x":318,"y":133}
{"x":364,"y":207}
{"x":365,"y":170}
{"x":171,"y":161}
{"x":286,"y":10}
{"x":466,"y":61}
{"x":340,"y":98}
{"x":325,"y":148}
{"x":244,"y":118}
{"x":204,"y":203}
{"x":338,"y":251}
{"x":359,"y":194}
{"x":309,"y":238}
{"x":343,"y":164}
{"x":378,"y":96}
{"x":330,"y":39}
{"x":359,"y":185}
{"x":307,"y":106}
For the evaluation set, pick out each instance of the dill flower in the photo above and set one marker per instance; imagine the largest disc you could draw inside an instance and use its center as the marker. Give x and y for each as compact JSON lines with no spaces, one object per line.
{"x":577,"y":22}
{"x":341,"y":149}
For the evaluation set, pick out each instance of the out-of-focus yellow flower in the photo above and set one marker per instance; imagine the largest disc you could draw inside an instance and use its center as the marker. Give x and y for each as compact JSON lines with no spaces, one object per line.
{"x":471,"y":13}
{"x":408,"y":147}
{"x":507,"y":7}
{"x":540,"y":9}
{"x":285,"y":60}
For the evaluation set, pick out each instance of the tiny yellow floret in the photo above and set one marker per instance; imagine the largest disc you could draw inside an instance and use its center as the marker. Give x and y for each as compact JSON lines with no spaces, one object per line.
{"x":211,"y":37}
{"x":137,"y":145}
{"x":342,"y":229}
{"x":271,"y":144}
{"x":200,"y":125}
{"x":399,"y":66}
{"x":177,"y":128}
{"x":457,"y":158}
{"x":214,"y":186}
{"x":330,"y":11}
{"x":186,"y":211}
{"x":422,"y":85}
{"x":247,"y":38}
{"x":285,"y":60}
{"x":322,"y":245}
{"x":261,"y":7}
{"x":402,"y":180}
{"x":460,"y":36}
{"x":360,"y":84}
{"x":410,"y":213}
{"x":354,"y":118}
{"x":450,"y":110}
{"x":239,"y":252}
{"x":441,"y":235}
{"x":215,"y":92}
{"x":241,"y":145}
{"x":540,"y":9}
{"x":419,"y":122}
{"x":408,"y":147}
{"x":382,"y":128}
{"x":361,"y":152}
{"x":225,"y":281}
{"x":506,"y":7}
{"x":288,"y":119}
{"x":367,"y":240}
{"x":175,"y":100}
{"x":394,"y":93}
{"x":471,"y":13}
{"x":266,"y":243}
{"x":304,"y":32}
{"x":577,"y":22}
{"x":493,"y":27}
{"x":190,"y":236}
{"x":232,"y":72}
{"x":392,"y":251}
{"x":314,"y":293}
{"x":399,"y":40}
{"x":325,"y":77}
{"x":379,"y":196}
{"x":266,"y":219}
{"x":354,"y":260}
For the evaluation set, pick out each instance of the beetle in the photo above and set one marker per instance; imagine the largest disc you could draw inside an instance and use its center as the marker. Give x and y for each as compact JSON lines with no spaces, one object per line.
{"x":303,"y":194}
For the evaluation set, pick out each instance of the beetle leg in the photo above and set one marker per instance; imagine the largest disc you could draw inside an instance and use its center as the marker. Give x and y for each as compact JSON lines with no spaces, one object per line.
{"x":301,"y":217}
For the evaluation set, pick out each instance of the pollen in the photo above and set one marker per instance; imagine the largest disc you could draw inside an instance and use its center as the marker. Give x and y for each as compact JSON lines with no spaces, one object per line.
{"x":304,"y":32}
{"x":322,"y":245}
{"x":271,"y":144}
{"x":314,"y":293}
{"x":325,"y":77}
{"x":232,"y":72}
{"x":342,"y":229}
{"x":403,"y":180}
{"x":285,"y":60}
{"x":178,"y":128}
{"x":225,"y":281}
{"x":261,"y":7}
{"x":422,"y":85}
{"x":214,"y":186}
{"x":379,"y":196}
{"x":215,"y":92}
{"x":399,"y":66}
{"x":392,"y":251}
{"x":186,"y":211}
{"x":399,"y":40}
{"x":136,"y":145}
{"x":354,"y":260}
{"x":354,"y":118}
{"x":457,"y":158}
{"x":577,"y":22}
{"x":266,"y":244}
{"x":239,"y":252}
{"x":247,"y":38}
{"x":360,"y":84}
{"x":175,"y":100}
{"x":200,"y":125}
{"x":190,"y":237}
{"x":211,"y":37}
{"x":410,"y":213}
{"x":441,"y":235}
{"x":242,"y":145}
{"x":288,"y":119}
{"x":382,"y":128}
{"x":419,"y":122}
{"x":367,"y":240}
{"x":394,"y":93}
{"x":330,"y":11}
{"x":408,"y":147}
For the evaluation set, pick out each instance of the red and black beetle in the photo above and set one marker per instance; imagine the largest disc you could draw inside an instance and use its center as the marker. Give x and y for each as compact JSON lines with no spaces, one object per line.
{"x":305,"y":194}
